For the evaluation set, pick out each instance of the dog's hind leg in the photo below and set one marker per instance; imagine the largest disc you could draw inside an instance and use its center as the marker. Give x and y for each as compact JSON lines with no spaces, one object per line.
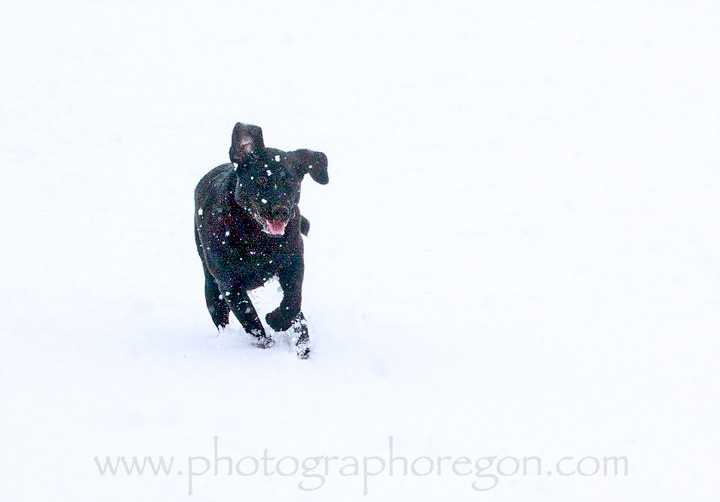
{"x":242,"y":307}
{"x":219,"y":311}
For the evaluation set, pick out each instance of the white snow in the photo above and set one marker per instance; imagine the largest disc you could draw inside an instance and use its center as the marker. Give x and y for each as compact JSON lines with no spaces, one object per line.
{"x":517,"y":254}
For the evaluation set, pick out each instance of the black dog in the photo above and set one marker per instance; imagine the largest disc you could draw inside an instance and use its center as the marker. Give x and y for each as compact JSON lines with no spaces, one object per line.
{"x":247,"y":230}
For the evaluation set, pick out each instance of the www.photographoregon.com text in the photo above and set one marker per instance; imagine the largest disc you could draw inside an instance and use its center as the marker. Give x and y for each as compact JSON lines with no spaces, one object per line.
{"x":485,"y":471}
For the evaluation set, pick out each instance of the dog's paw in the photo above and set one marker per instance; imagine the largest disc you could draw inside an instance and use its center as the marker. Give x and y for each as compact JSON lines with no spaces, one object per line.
{"x":263,"y":342}
{"x":278,"y":320}
{"x":303,"y":350}
{"x":303,"y":342}
{"x":261,"y":339}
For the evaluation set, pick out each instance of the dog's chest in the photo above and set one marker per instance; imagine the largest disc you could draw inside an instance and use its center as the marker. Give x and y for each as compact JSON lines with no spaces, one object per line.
{"x":239,"y":238}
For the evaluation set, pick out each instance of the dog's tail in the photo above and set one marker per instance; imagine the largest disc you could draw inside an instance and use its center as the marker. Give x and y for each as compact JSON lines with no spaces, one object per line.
{"x":304,"y":225}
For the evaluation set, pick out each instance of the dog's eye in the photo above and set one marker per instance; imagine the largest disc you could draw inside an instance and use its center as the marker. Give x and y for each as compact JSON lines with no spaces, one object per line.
{"x":262,"y":181}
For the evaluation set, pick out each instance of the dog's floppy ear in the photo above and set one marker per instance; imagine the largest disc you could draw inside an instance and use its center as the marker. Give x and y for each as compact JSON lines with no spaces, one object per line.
{"x":246,"y":139}
{"x":313,"y":163}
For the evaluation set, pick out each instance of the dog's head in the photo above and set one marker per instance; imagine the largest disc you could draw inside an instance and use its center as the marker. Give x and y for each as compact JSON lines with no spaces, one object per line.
{"x":268,"y":180}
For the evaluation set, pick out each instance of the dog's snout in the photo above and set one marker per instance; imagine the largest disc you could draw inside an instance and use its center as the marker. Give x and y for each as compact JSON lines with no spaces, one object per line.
{"x":280,"y":213}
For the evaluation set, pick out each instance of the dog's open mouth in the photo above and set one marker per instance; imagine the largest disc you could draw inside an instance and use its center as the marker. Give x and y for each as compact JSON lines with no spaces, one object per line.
{"x":275,"y":228}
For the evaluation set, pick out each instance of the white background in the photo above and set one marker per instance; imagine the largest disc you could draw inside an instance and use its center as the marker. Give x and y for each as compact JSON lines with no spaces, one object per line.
{"x":517,"y":253}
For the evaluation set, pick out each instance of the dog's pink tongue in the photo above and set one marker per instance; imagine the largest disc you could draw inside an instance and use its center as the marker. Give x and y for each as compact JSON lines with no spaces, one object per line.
{"x":276,"y":227}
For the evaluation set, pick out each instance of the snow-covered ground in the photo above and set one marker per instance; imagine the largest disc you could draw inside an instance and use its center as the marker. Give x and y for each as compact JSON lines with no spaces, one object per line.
{"x":517,"y":254}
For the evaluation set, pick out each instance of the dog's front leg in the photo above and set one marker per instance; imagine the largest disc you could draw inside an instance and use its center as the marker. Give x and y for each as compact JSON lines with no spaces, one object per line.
{"x":290,"y":277}
{"x":242,"y":307}
{"x":300,"y":328}
{"x":288,"y":314}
